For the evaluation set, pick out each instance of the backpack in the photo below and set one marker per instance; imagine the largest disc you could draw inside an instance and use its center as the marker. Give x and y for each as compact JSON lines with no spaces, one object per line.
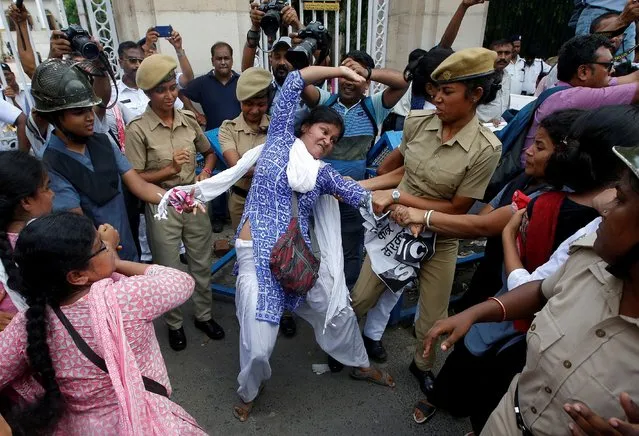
{"x":367,"y":105}
{"x":513,"y":138}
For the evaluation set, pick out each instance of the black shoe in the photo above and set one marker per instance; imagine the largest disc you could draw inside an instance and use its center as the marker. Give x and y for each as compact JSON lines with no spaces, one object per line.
{"x":183,"y":259}
{"x":375,"y":349}
{"x":218,"y":226}
{"x":212,"y":329}
{"x":426,"y":378}
{"x":288,"y":326}
{"x":334,"y":365}
{"x":177,"y":339}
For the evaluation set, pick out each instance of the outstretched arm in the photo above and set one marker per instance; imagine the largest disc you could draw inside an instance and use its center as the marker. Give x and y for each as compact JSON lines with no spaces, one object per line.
{"x":450,"y":34}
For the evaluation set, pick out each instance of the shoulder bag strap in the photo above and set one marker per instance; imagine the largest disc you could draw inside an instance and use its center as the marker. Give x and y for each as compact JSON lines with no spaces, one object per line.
{"x":149,"y":384}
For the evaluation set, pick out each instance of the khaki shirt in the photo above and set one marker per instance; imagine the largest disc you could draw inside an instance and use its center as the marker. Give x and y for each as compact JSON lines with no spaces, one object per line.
{"x":579,"y":347}
{"x":238,"y":136}
{"x":460,"y":166}
{"x":150,"y":144}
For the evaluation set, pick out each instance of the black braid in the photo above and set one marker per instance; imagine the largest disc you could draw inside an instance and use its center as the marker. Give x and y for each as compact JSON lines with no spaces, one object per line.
{"x":47,"y":250}
{"x":41,"y":416}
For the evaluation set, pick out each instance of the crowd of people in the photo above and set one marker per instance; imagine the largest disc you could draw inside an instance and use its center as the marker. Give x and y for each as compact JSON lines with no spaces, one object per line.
{"x":104,"y":224}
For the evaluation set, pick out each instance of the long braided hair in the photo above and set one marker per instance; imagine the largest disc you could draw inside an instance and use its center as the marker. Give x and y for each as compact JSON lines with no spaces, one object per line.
{"x":47,"y":250}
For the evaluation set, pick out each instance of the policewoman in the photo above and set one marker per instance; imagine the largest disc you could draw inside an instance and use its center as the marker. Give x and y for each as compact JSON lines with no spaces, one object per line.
{"x":246,"y":131}
{"x":449,"y":158}
{"x":583,"y":344}
{"x":161,"y":145}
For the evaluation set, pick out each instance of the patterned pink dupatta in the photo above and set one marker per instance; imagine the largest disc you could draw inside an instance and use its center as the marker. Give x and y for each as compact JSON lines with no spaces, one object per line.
{"x":136,"y":418}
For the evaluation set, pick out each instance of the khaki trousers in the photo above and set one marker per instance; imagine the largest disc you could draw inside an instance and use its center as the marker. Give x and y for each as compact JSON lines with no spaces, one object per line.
{"x":164,"y":239}
{"x":236,"y":209}
{"x":435,"y":284}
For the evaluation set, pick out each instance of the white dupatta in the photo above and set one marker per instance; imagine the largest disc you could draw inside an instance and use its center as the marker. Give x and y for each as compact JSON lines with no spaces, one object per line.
{"x":302,"y":171}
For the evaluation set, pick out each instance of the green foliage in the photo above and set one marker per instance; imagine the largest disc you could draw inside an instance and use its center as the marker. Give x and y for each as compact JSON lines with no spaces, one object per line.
{"x":542,"y":23}
{"x":72,"y":12}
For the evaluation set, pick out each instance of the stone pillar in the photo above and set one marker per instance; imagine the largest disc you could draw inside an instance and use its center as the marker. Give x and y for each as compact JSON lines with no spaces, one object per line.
{"x":420,"y":24}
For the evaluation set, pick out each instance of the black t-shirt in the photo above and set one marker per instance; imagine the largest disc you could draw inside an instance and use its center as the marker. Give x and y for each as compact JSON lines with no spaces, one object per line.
{"x":219,"y":102}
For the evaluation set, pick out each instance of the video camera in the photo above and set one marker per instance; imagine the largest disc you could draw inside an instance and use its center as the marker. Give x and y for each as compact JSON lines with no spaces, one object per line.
{"x":81,"y":42}
{"x":315,"y":37}
{"x":271,"y":21}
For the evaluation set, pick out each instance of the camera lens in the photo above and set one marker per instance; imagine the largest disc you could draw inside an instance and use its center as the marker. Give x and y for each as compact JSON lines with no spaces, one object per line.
{"x":271,"y":22}
{"x":302,"y":55}
{"x":90,"y":50}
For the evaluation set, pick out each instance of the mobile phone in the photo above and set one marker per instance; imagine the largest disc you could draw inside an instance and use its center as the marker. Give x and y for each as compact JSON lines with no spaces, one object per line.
{"x":164,"y":31}
{"x":520,"y":199}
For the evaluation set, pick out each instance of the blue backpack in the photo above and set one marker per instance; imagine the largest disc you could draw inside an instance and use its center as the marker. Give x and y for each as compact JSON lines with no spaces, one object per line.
{"x":513,"y":138}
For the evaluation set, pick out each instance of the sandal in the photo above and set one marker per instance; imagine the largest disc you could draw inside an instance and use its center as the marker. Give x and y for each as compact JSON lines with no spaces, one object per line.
{"x":427,"y":410}
{"x":242,"y":410}
{"x":373,"y":375}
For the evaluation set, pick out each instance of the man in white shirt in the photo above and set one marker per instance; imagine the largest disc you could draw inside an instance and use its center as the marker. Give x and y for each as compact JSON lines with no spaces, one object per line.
{"x":132,"y":100}
{"x":524,"y":74}
{"x":11,"y":115}
{"x":492,"y":111}
{"x":13,"y":93}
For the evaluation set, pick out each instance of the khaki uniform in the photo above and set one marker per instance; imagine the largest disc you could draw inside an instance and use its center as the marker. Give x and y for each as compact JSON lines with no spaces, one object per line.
{"x":238,"y":136}
{"x":461,"y":166}
{"x":149,"y":146}
{"x":579,"y":349}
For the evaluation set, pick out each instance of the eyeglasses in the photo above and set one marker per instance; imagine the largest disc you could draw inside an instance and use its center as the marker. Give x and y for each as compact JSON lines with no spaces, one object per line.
{"x":103,"y":247}
{"x":608,"y":65}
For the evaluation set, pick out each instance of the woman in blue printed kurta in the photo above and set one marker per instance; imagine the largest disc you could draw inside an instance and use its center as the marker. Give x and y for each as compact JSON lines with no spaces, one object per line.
{"x":260,"y":299}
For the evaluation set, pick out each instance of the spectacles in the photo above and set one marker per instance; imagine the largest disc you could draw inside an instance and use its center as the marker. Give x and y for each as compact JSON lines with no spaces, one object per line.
{"x":608,"y":65}
{"x":103,"y":247}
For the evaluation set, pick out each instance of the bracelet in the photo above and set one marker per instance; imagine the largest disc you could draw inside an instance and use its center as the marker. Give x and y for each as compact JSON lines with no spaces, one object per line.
{"x":180,"y":53}
{"x":370,"y":73}
{"x":503,"y":308}
{"x":427,"y":216}
{"x":207,"y":171}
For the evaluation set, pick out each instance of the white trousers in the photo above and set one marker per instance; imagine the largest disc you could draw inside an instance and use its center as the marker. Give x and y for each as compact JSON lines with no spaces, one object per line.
{"x":342,"y":338}
{"x":377,"y":318}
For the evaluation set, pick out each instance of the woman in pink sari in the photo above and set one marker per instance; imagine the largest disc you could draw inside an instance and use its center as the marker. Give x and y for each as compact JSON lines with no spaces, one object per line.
{"x":88,"y":336}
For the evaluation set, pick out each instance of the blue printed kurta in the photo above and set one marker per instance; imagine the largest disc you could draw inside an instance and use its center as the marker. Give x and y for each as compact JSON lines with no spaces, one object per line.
{"x":268,"y":205}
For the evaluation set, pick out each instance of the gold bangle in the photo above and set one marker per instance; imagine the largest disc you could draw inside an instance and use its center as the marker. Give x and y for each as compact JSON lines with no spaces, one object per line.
{"x":503,"y":308}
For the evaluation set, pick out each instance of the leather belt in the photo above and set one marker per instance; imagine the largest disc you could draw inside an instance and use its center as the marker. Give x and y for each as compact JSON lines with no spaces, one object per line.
{"x":239,"y":191}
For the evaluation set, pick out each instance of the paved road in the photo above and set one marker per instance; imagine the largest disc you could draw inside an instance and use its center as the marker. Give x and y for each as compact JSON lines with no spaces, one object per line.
{"x":295,"y":400}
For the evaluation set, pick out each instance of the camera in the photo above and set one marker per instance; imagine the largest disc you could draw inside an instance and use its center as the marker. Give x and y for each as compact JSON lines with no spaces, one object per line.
{"x":270,"y":23}
{"x":315,"y":37}
{"x":81,"y":42}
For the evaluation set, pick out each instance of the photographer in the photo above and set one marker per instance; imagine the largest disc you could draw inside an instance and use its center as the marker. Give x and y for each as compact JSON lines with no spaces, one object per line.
{"x":276,"y":57}
{"x":60,"y":46}
{"x":362,"y":116}
{"x":149,"y":47}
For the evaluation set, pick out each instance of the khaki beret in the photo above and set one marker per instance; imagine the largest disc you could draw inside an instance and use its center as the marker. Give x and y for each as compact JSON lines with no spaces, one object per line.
{"x":154,"y":70}
{"x":252,"y":81}
{"x":466,"y":64}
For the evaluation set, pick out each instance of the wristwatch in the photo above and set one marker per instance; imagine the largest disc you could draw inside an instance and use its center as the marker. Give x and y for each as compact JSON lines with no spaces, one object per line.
{"x":395,"y":195}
